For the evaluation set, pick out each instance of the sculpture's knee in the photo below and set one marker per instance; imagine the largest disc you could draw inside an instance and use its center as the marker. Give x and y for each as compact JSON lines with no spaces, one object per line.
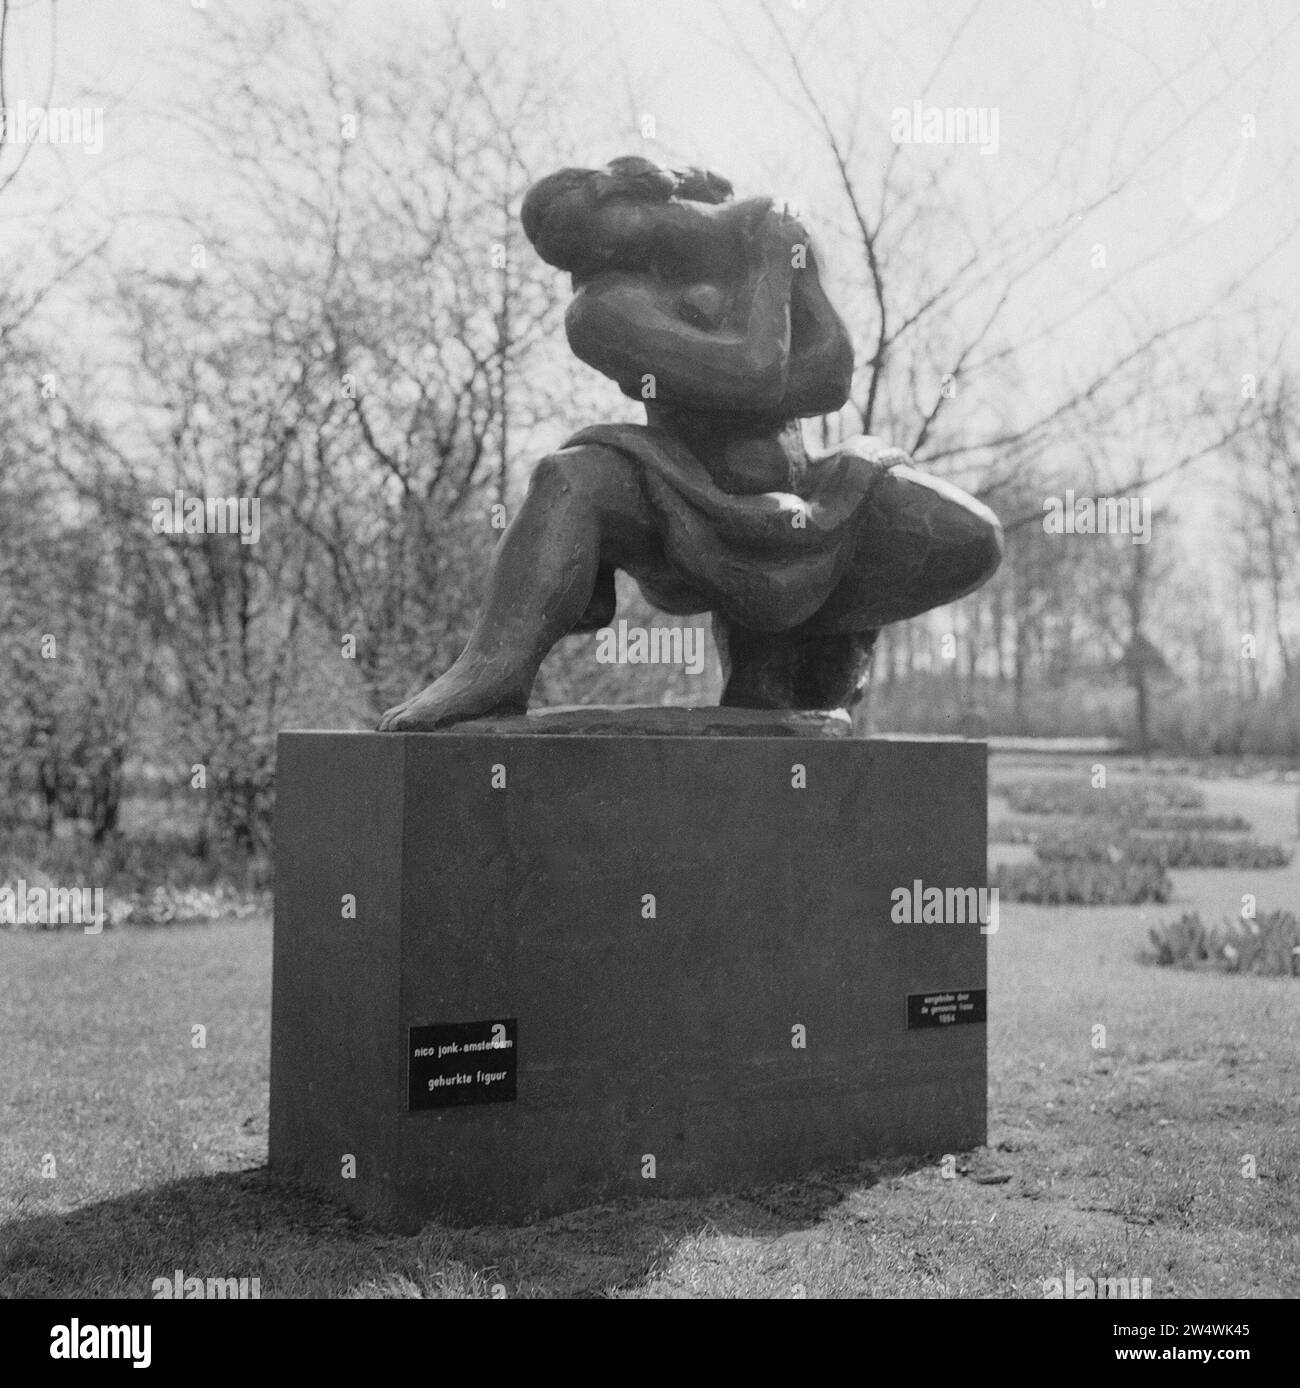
{"x":552,"y":477}
{"x":572,"y":474}
{"x":973,"y":550}
{"x":987,"y":546}
{"x":960,"y":539}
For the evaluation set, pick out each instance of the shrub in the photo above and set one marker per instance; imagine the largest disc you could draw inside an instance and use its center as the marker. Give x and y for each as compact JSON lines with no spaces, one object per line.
{"x":1086,"y":846}
{"x":167,"y":905}
{"x":1190,"y":819}
{"x":1166,"y":850}
{"x":1204,"y":850}
{"x":1074,"y":797}
{"x":1018,"y":830}
{"x":1083,"y":883}
{"x":151,"y":880}
{"x":1269,"y":945}
{"x":1033,"y":828}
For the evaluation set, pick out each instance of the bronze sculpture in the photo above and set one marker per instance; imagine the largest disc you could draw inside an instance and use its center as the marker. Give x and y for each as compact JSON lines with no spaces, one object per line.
{"x":711,"y":312}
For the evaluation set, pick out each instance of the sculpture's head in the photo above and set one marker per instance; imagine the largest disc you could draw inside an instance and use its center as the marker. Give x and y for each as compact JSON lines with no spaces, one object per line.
{"x":557,"y":209}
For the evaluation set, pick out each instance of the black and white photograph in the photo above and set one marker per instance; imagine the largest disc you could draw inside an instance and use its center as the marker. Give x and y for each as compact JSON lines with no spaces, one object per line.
{"x":650,"y":651}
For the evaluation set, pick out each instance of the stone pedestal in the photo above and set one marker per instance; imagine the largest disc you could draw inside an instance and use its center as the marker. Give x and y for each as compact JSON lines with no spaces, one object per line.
{"x":516,"y":974}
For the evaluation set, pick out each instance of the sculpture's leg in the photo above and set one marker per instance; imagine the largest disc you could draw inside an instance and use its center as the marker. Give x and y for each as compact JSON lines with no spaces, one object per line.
{"x":787,"y":670}
{"x":584,"y":513}
{"x":923,"y":543}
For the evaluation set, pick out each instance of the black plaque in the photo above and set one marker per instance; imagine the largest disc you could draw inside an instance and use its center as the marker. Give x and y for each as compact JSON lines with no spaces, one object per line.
{"x":946,"y":1009}
{"x":462,"y":1063}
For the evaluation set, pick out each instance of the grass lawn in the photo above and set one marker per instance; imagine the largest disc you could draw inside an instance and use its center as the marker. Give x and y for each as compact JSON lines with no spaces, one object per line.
{"x":1123,"y":1161}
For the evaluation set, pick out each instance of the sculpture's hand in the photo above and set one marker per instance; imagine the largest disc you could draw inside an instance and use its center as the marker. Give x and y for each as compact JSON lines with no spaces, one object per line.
{"x":778,"y":229}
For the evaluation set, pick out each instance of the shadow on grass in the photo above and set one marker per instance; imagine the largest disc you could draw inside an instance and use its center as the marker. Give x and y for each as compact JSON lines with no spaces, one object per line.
{"x":250,"y":1224}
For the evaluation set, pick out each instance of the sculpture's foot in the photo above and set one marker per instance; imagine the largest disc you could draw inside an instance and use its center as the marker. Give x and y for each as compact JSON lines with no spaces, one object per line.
{"x":470,"y":689}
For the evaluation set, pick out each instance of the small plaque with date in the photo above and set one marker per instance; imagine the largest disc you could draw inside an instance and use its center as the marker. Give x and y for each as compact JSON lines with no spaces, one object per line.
{"x":462,"y":1063}
{"x":946,"y":1009}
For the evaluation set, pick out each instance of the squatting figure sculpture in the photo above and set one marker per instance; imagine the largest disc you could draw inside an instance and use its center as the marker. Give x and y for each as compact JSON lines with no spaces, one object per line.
{"x":712,"y":313}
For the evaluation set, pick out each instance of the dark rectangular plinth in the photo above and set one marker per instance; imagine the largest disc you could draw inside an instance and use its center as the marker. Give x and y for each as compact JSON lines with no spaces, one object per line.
{"x":653,"y":923}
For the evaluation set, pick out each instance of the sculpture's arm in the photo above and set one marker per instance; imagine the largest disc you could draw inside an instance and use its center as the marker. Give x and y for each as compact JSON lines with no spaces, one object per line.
{"x":630,"y":326}
{"x":820,"y":373}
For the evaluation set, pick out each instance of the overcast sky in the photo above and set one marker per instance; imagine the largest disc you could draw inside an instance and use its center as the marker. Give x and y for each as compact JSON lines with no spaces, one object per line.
{"x":1122,"y":76}
{"x":1148,"y":66}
